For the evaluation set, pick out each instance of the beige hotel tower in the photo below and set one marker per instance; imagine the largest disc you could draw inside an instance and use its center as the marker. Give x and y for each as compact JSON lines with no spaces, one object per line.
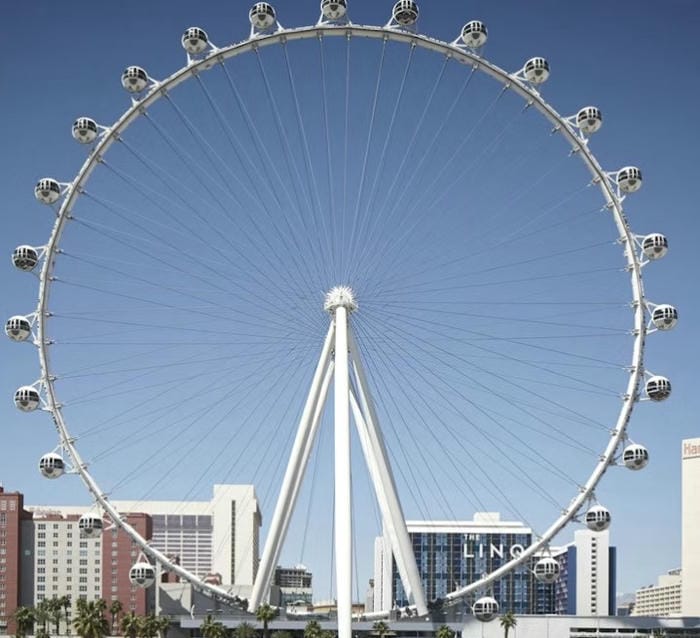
{"x":690,"y":550}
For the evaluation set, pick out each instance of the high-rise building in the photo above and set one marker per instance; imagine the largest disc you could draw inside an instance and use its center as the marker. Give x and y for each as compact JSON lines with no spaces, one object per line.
{"x":453,"y":554}
{"x":662,"y":599}
{"x":216,"y":538}
{"x":119,"y":553}
{"x":13,"y":528}
{"x":690,"y":527}
{"x":587,"y":577}
{"x":65,"y":563}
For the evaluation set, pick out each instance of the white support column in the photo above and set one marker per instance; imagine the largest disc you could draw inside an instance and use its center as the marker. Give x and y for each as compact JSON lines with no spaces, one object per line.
{"x":292,"y":480}
{"x":385,"y":487}
{"x":343,"y":494}
{"x":316,"y":421}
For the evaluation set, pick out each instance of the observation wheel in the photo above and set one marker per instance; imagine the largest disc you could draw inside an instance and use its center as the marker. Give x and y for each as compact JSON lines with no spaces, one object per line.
{"x":450,"y":234}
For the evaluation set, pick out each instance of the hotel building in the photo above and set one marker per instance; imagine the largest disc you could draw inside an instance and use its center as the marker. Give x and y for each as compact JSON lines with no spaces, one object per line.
{"x":690,"y":527}
{"x":215,"y":537}
{"x":450,"y":555}
{"x":587,"y":577}
{"x":662,"y":599}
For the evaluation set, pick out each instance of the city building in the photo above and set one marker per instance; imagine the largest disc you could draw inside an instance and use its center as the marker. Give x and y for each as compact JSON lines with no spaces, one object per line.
{"x":690,"y":527}
{"x":66,"y":563}
{"x":15,"y":531}
{"x":452,"y":554}
{"x":119,"y":553}
{"x":662,"y":599}
{"x":587,"y":578}
{"x":295,"y":585}
{"x":217,"y":537}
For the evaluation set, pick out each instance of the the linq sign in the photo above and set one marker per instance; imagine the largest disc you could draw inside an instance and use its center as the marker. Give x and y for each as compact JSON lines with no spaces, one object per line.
{"x":494,"y":551}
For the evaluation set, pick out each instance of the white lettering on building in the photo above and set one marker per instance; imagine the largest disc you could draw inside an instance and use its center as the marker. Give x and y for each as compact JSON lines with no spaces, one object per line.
{"x":494,"y":550}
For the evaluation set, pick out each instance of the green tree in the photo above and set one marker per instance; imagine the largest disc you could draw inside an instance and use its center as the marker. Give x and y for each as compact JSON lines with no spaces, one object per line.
{"x":211,"y":628}
{"x":148,"y":627}
{"x":244,"y":630}
{"x":312,"y":630}
{"x":55,"y":609}
{"x":90,"y":621}
{"x":163,"y":625}
{"x":283,"y":634}
{"x":115,"y":609}
{"x":130,"y":624}
{"x":66,"y":604}
{"x":443,"y":631}
{"x":42,"y":633}
{"x":265,"y":614}
{"x":381,"y":629}
{"x":24,"y":619}
{"x":42,"y":613}
{"x":508,"y":622}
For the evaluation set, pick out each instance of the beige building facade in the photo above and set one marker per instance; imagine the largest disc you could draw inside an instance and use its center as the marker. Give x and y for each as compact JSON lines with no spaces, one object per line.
{"x":690,"y":527}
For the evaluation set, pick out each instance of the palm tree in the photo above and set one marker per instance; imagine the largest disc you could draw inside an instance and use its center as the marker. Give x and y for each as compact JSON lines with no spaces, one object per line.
{"x":211,"y":628}
{"x":163,"y":624}
{"x":148,"y":626}
{"x":508,"y":622}
{"x":65,"y":603}
{"x":90,"y":621}
{"x":55,"y":608}
{"x":115,"y":609}
{"x":443,"y":631}
{"x":381,"y":629}
{"x":130,"y":624}
{"x":264,"y":614}
{"x":312,"y":630}
{"x":244,"y":630}
{"x":24,"y":619}
{"x":42,"y":612}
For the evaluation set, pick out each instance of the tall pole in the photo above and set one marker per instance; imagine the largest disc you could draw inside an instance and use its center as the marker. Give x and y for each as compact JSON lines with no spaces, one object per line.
{"x":343,"y":495}
{"x":340,"y":302}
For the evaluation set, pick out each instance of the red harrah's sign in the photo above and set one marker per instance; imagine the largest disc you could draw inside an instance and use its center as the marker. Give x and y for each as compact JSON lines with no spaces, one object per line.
{"x":691,"y":449}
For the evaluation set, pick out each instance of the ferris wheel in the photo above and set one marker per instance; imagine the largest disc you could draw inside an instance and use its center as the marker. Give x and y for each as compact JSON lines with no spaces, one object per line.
{"x":451,"y":236}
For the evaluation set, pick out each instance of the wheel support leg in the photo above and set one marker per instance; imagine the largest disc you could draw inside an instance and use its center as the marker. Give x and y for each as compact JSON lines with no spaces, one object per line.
{"x":292,"y":478}
{"x":384,"y":485}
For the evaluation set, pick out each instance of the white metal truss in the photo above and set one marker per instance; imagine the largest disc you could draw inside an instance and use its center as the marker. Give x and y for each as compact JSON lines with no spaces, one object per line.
{"x":351,"y":394}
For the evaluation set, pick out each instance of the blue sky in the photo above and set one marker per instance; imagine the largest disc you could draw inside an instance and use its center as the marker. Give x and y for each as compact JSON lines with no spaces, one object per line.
{"x":636,"y":61}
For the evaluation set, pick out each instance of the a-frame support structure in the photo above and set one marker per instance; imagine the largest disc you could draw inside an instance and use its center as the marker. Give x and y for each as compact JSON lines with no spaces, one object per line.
{"x":340,"y":362}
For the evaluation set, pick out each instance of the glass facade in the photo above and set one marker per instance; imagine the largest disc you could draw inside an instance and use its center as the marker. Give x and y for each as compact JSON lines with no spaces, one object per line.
{"x":447,"y":561}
